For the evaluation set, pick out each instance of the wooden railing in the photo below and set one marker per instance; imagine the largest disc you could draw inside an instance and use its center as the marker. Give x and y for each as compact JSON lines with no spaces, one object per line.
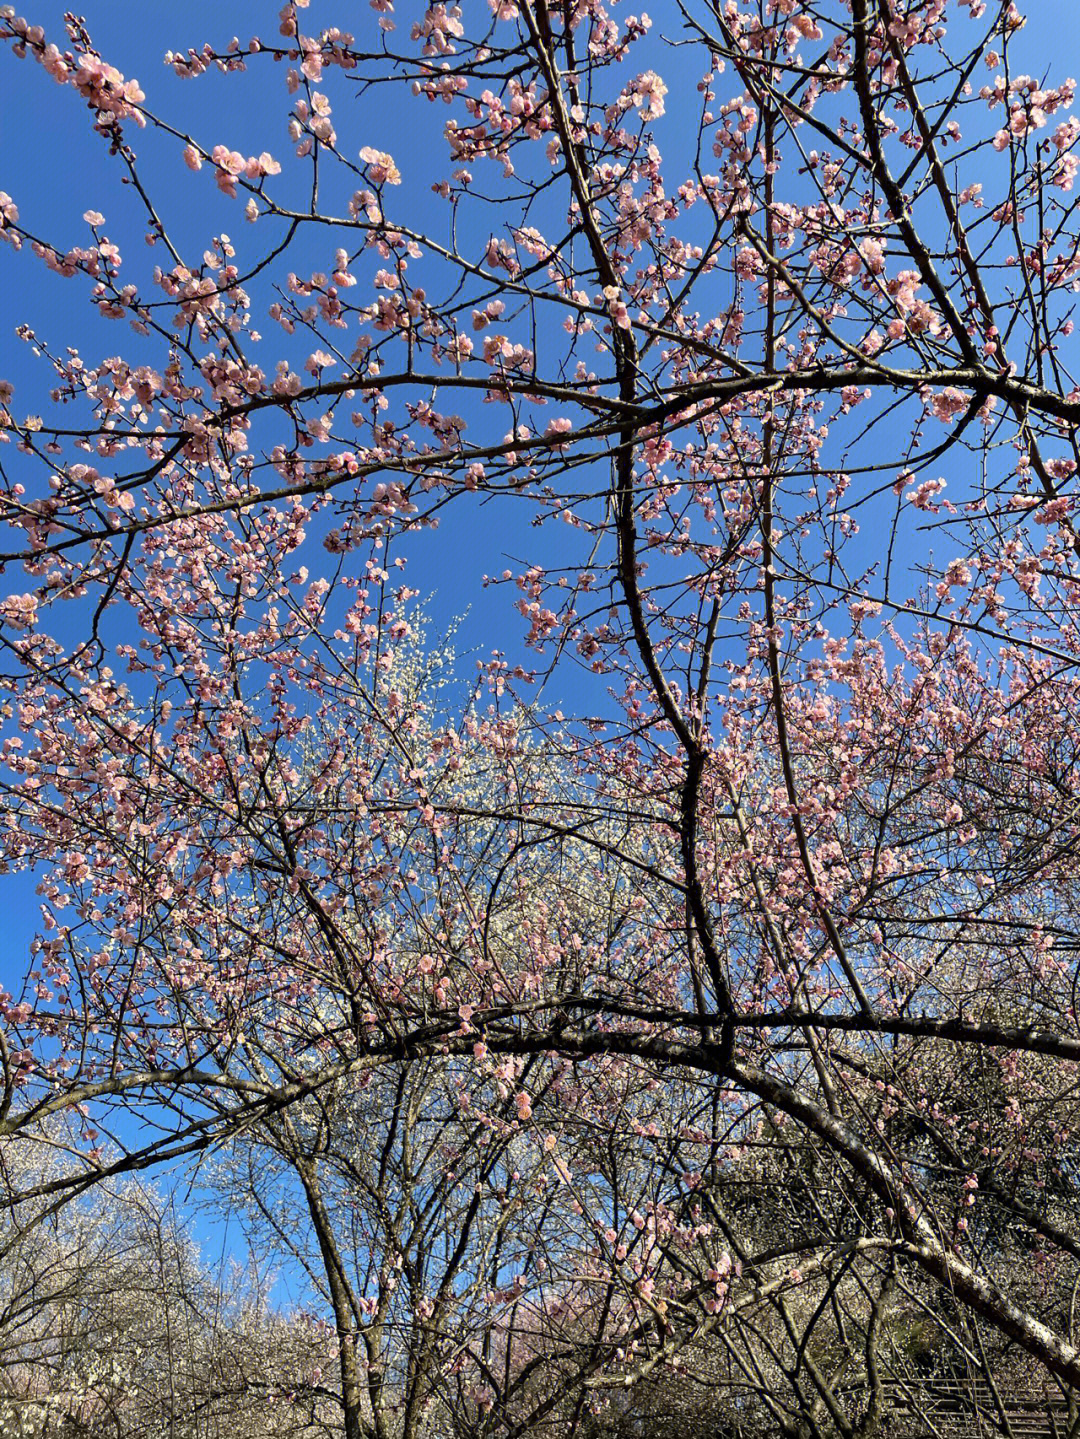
{"x":967,"y":1409}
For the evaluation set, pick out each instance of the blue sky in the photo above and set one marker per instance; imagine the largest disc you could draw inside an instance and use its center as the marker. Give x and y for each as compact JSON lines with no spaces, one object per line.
{"x":56,"y":167}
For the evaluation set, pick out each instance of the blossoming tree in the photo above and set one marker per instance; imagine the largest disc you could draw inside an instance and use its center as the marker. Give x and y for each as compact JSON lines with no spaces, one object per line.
{"x":757,"y":347}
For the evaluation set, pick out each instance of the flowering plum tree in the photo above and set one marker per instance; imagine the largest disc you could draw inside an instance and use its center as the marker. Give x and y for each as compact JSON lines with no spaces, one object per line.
{"x":709,"y":963}
{"x":113,"y":1324}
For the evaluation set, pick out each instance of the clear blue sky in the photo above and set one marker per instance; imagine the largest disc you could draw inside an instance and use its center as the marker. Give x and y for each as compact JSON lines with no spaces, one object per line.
{"x":56,"y":168}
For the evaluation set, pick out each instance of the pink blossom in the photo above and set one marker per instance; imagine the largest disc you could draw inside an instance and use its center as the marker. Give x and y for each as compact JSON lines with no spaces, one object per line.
{"x":948,"y":403}
{"x":648,"y":92}
{"x":380,"y":167}
{"x":19,"y":611}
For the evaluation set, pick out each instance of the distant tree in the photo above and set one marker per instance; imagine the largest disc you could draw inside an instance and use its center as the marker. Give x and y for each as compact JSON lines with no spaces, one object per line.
{"x":112,"y":1324}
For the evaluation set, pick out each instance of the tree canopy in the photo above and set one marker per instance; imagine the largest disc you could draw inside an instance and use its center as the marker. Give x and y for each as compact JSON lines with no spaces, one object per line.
{"x":669,"y":1016}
